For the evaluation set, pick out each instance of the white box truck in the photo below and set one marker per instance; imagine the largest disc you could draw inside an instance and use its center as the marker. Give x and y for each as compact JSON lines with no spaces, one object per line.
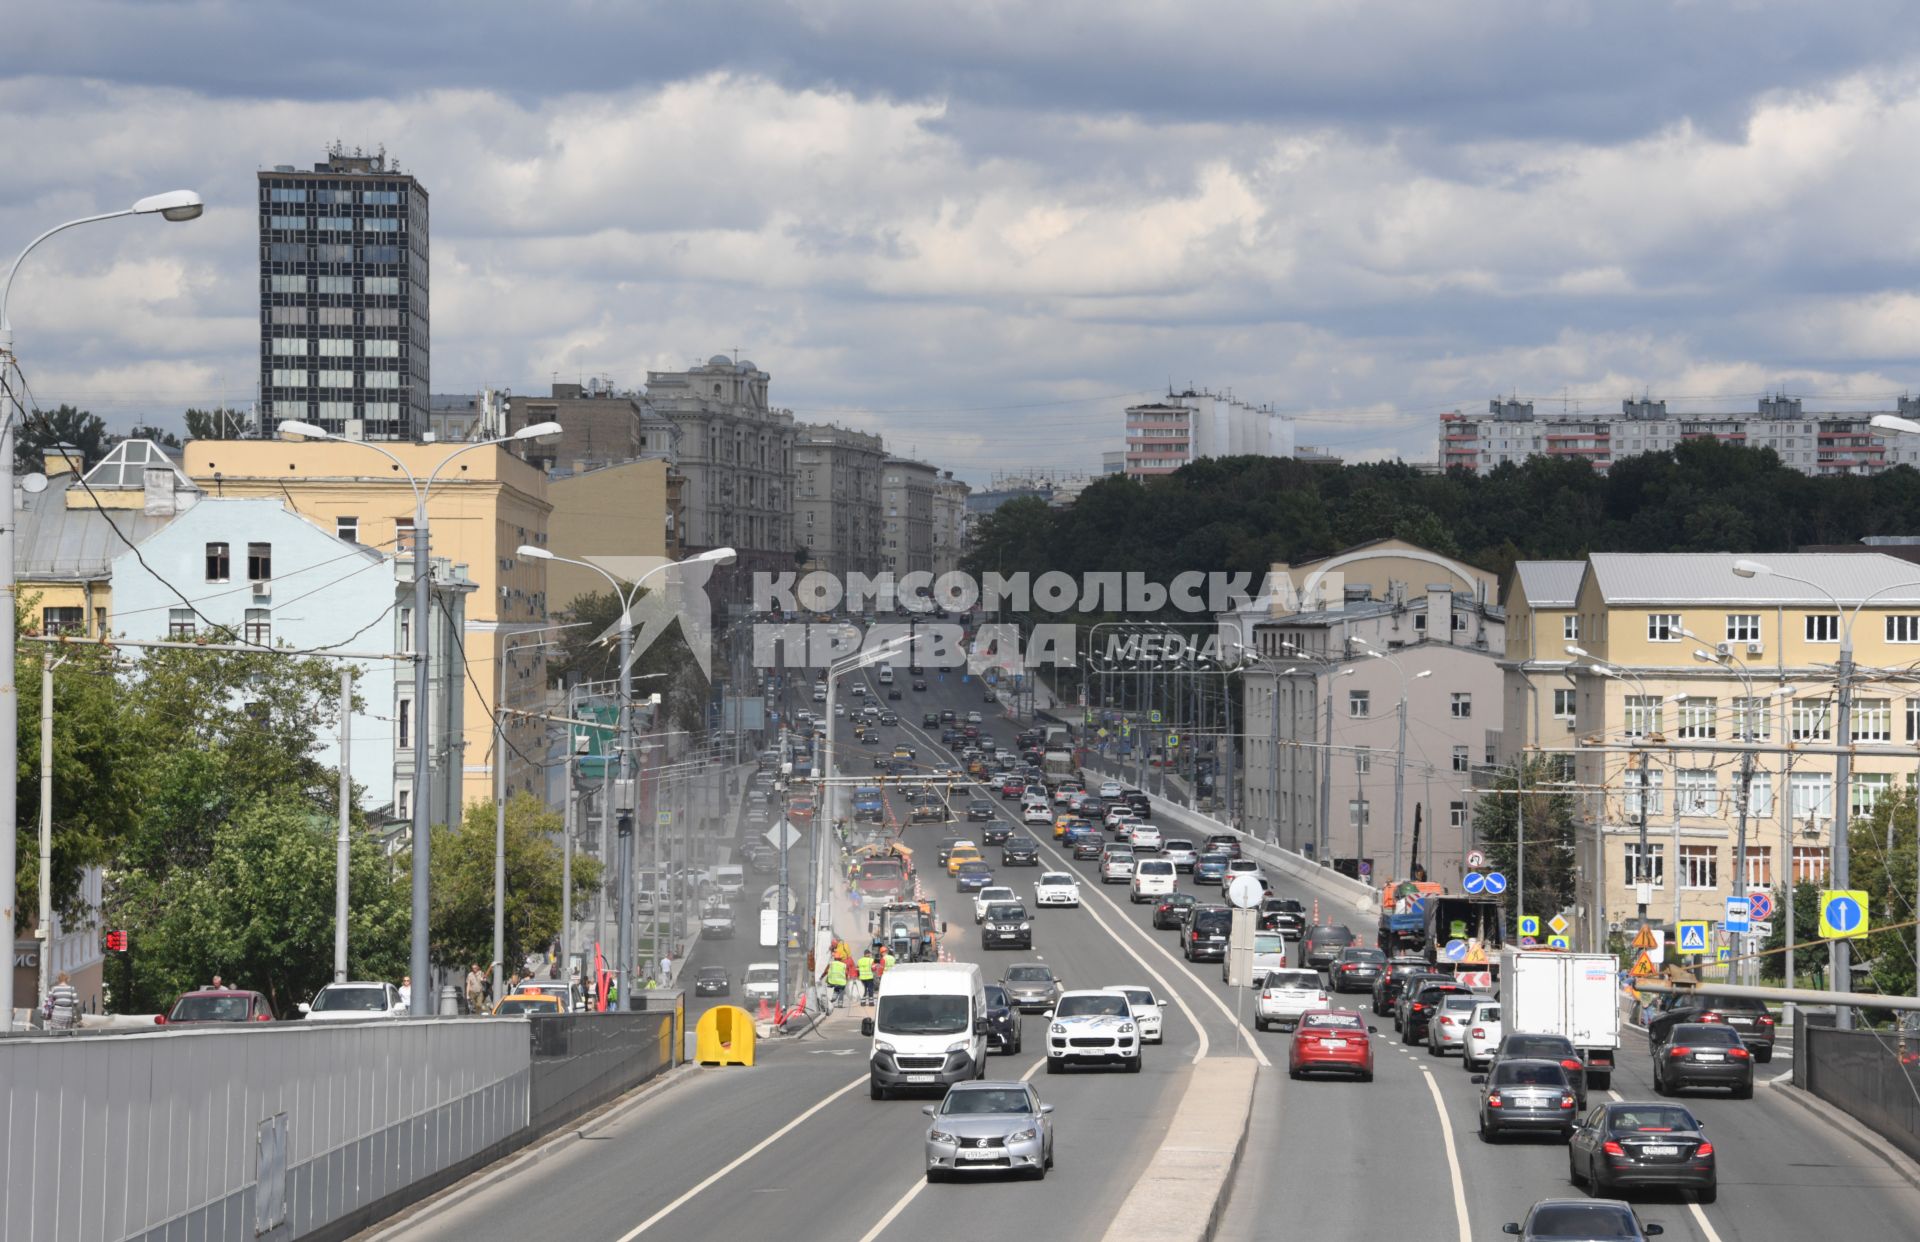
{"x":1572,"y":994}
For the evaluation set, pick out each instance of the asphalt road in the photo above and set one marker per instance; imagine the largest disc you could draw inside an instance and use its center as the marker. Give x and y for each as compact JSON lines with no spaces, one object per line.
{"x":793,"y":1148}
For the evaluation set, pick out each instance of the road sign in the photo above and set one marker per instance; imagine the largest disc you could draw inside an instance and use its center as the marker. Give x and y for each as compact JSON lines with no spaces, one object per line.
{"x":1153,"y":717}
{"x":1366,"y":868}
{"x":1173,"y":740}
{"x":783,"y":835}
{"x":1245,"y":891}
{"x":1496,"y":883}
{"x":1474,"y":978}
{"x":1528,"y":942}
{"x":1476,"y":860}
{"x":1558,"y":925}
{"x":1693,"y":936}
{"x":1642,"y":966}
{"x":1843,"y":913}
{"x":1474,"y":882}
{"x":663,"y":819}
{"x":1530,"y":925}
{"x":1759,"y":904}
{"x":1737,"y":914}
{"x":1645,"y":940}
{"x":1724,"y":954}
{"x":1558,"y":942}
{"x":1456,"y":950}
{"x":1761,"y":928}
{"x":1103,"y":733}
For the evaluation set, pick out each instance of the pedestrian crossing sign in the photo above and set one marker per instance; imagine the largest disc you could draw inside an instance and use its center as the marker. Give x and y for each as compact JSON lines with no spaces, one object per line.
{"x":1725,"y":954}
{"x":1693,"y":937}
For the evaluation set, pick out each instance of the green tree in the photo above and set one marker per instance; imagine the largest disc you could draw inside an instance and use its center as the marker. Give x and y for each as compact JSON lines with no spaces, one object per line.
{"x":462,"y":913}
{"x":218,"y":423}
{"x":1808,"y":951}
{"x":667,"y":665}
{"x":1547,"y":815}
{"x":146,"y":431}
{"x":1883,"y":865}
{"x":64,"y":425}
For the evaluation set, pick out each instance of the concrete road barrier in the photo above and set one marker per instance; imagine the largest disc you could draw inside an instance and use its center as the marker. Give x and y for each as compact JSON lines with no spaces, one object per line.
{"x":1182,"y":1193}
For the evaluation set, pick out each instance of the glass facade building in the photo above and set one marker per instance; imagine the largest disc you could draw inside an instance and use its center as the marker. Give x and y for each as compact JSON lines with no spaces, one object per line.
{"x":344,"y":330}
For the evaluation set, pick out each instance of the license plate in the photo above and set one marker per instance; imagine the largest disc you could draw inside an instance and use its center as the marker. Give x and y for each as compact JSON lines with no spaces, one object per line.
{"x":1708,"y":1056}
{"x":968,"y":1154}
{"x":1333,"y":1043}
{"x":920,"y":1077}
{"x":1662,"y":1151}
{"x":1741,"y":1021}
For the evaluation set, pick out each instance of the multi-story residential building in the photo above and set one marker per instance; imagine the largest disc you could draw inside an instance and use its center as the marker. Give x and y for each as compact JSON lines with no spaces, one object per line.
{"x":836,"y":498}
{"x":1321,"y":709}
{"x":614,"y":515}
{"x":736,"y":452}
{"x":949,"y":522}
{"x":1163,"y":436}
{"x":481,"y":509}
{"x":344,"y":330}
{"x":1816,"y":443}
{"x":906,"y":502}
{"x":1696,"y":653}
{"x":600,"y":426}
{"x":268,"y":577}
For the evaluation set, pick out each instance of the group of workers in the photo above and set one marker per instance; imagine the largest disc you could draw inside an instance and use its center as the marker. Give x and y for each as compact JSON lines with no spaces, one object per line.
{"x":844,"y":969}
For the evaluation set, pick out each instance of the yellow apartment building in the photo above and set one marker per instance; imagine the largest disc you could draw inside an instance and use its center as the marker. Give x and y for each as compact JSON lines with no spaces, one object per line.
{"x":630,"y":509}
{"x":483,"y":505}
{"x":1680,"y":648}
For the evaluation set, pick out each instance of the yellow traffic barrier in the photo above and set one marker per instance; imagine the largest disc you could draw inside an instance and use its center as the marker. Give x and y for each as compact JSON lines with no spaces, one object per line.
{"x":724,"y":1036}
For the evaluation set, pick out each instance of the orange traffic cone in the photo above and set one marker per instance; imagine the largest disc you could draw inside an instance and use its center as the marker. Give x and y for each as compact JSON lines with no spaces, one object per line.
{"x":765,"y":1013}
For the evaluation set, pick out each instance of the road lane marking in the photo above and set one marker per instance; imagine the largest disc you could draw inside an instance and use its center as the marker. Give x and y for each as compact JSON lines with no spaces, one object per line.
{"x":739,"y":1160}
{"x":1453,"y":1158}
{"x":1693,"y":1205}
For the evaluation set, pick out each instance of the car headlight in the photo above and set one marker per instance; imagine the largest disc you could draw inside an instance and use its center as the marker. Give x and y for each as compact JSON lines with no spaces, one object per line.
{"x":1021,"y":1136}
{"x":881,"y":1045}
{"x":1026,"y":927}
{"x":1126,"y":1028}
{"x":960,"y":1045}
{"x":941,"y":1136}
{"x":1058,"y":1028}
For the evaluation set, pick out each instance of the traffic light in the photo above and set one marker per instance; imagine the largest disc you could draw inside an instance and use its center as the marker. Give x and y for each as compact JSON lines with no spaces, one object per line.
{"x":117,"y":941}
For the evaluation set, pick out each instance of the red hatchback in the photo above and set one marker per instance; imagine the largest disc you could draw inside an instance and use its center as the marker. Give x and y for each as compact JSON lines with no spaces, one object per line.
{"x":210,"y":1006}
{"x":1331,"y":1039}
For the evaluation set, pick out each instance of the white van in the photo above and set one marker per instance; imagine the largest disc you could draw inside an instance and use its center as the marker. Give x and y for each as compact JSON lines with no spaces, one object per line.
{"x":1152,"y":877}
{"x":929,"y":1028}
{"x":730,"y":879}
{"x":886,"y":674}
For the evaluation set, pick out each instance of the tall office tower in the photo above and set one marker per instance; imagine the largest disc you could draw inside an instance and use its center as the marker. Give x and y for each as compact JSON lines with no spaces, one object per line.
{"x":343,"y":298}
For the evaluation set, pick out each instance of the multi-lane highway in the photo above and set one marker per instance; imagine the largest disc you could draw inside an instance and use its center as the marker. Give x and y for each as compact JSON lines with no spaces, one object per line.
{"x":794,"y":1148}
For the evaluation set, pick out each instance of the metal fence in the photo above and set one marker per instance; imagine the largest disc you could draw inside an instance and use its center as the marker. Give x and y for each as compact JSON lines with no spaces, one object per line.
{"x":1873,"y":1076}
{"x":582,"y":1060}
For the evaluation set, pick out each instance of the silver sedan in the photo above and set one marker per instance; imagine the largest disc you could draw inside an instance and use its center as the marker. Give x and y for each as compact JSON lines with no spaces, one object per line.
{"x":989,"y":1127}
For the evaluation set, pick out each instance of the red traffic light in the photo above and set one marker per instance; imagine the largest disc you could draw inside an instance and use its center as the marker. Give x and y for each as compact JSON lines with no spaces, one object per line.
{"x":117,"y":941}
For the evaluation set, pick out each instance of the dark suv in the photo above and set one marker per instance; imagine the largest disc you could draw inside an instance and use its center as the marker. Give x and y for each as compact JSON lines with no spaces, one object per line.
{"x":1386,"y":988}
{"x":1206,"y":934}
{"x":1749,"y":1017}
{"x":1284,"y":915}
{"x":1702,"y":1054}
{"x":1322,"y":944}
{"x":1420,"y":1010}
{"x":1356,"y":969}
{"x":1222,"y":842}
{"x":1003,"y":1022}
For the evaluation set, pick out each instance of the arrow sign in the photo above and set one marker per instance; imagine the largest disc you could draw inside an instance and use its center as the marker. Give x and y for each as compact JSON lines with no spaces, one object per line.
{"x":1456,"y":950}
{"x":1474,"y":882}
{"x":1530,"y":925}
{"x":1843,"y":913}
{"x":1496,"y":883}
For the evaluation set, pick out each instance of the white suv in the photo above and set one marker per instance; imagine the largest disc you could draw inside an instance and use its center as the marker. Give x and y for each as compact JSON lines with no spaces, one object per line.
{"x":1146,"y":1009}
{"x":1152,"y":877}
{"x":1285,"y":995}
{"x":1109,"y":790}
{"x":988,"y":896}
{"x":1483,"y":1035}
{"x":1145,"y":838}
{"x":1094,"y":1026}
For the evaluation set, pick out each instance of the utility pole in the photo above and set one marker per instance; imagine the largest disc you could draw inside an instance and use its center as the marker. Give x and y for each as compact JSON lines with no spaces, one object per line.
{"x":343,"y":846}
{"x":1326,"y":776}
{"x":1740,"y":836}
{"x":1643,"y":868}
{"x":1843,"y":816}
{"x":46,"y":831}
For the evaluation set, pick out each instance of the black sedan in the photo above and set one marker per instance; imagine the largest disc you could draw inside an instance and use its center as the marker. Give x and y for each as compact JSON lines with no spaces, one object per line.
{"x":1003,"y":1021}
{"x":1525,"y":1096}
{"x":712,"y":981}
{"x":1601,"y":1220}
{"x":1020,"y":852}
{"x":894,"y":693}
{"x":997,"y":832}
{"x":1750,"y":1017}
{"x":1356,"y":969}
{"x":1166,"y":912}
{"x":930,"y":719}
{"x":1089,"y":847}
{"x":979,"y":811}
{"x":1700,"y":1054}
{"x":919,"y":684}
{"x":1621,"y":1145}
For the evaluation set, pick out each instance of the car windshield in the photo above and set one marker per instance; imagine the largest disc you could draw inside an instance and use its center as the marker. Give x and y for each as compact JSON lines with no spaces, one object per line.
{"x":996,"y":996}
{"x":1006,"y":913}
{"x":923,"y":1015}
{"x":1177,"y":846}
{"x":1213,"y":860}
{"x":1084,"y":1006}
{"x":1652,"y":1119}
{"x":1582,"y":1220}
{"x":1719,"y":1036}
{"x":528,"y":1004}
{"x":337,"y":1000}
{"x":1335,"y":1021}
{"x":1140,"y":996}
{"x":763,"y":974}
{"x":1529,"y":1074}
{"x":1461,"y":1001}
{"x":1029,"y":974}
{"x":713,"y":972}
{"x":1305,"y":979}
{"x":1486,"y":1013}
{"x":1056,"y":877}
{"x":1555,"y":1046}
{"x":1372,"y":957}
{"x":1268,"y":942}
{"x":965,"y":1101}
{"x":976,"y":868}
{"x":209,"y":1009}
{"x":1334,"y":933}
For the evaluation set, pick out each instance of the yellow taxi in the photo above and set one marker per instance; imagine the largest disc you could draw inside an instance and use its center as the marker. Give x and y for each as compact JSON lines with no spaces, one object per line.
{"x":1061,"y":824}
{"x":521,"y":1004}
{"x":962,"y":853}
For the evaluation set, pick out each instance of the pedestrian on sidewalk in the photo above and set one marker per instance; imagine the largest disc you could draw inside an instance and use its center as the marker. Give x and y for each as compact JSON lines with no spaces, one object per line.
{"x":864,"y":968}
{"x":476,"y":987}
{"x":63,"y":1005}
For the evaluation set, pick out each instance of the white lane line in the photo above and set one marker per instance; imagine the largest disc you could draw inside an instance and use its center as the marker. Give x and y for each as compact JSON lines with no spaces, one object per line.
{"x":739,"y":1160}
{"x":913,"y":1192}
{"x":1453,"y":1158}
{"x":1693,"y":1205}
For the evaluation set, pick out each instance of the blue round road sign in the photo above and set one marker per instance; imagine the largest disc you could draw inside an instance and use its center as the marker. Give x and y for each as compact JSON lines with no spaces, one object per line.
{"x":1496,"y":883}
{"x":1456,"y":950}
{"x":1843,"y":913}
{"x":1473,"y":882}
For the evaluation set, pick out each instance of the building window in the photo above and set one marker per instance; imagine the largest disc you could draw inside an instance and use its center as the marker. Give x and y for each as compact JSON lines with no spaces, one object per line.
{"x":1563,"y":703}
{"x":1663,"y":627}
{"x":1810,"y":795}
{"x":1359,"y":703}
{"x":1650,"y":869}
{"x":63,"y":620}
{"x":1866,"y":790}
{"x":1872,"y":720}
{"x":1812,"y":720}
{"x":1751,"y":722}
{"x":1358,"y":813}
{"x":1809,"y":864}
{"x":179,"y":623}
{"x":219,"y":562}
{"x":1823,"y":627}
{"x":259,"y":627}
{"x":1759,"y":796}
{"x":1570,"y":628}
{"x":1642,"y":715}
{"x":1743,"y":627}
{"x":406,"y":629}
{"x":1460,"y":763}
{"x":1462,"y":706}
{"x":403,"y":536}
{"x":404,"y":722}
{"x":1634,"y":779}
{"x":1698,"y":793}
{"x":1759,"y":866}
{"x":1456,"y":815}
{"x":1697,"y":718}
{"x":1903,"y":628}
{"x":347,"y":528}
{"x":259,"y":562}
{"x":1699,"y":866}
{"x":1363,"y":761}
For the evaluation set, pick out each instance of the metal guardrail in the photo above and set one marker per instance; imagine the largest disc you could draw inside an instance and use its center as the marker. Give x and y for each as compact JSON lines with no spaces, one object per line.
{"x":582,"y":1060}
{"x":1872,"y":1076}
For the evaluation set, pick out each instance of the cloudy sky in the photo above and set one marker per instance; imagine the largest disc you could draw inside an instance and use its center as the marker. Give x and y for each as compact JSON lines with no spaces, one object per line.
{"x":984,"y":226}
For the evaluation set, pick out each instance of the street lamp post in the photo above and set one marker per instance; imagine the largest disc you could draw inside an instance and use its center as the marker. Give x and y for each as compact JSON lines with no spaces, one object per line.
{"x":1400,"y":752}
{"x":174,"y":205}
{"x":420,"y":961}
{"x":1642,"y":889}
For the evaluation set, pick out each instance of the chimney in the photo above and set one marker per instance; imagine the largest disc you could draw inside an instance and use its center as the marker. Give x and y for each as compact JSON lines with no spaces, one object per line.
{"x":1440,"y":613}
{"x":157,"y":482}
{"x":58,"y":461}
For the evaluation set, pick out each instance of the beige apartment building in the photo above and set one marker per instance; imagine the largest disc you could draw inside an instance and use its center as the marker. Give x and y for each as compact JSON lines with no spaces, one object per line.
{"x":736,"y":452}
{"x":1680,"y":648}
{"x":949,"y":534}
{"x":836,"y":498}
{"x":483,"y":505}
{"x":628,"y":510}
{"x":906,"y":503}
